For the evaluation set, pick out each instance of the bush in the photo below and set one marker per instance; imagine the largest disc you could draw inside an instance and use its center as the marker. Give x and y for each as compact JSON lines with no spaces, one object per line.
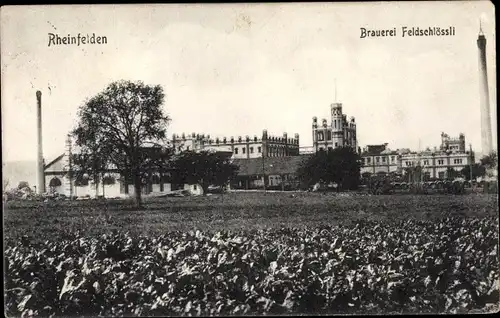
{"x":490,"y":187}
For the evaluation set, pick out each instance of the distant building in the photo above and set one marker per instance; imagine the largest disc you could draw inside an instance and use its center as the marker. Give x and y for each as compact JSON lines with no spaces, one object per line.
{"x":279,"y":173}
{"x":307,"y":150}
{"x":452,"y":153}
{"x":378,"y":158}
{"x":241,"y":147}
{"x":339,"y":133}
{"x":57,"y":179}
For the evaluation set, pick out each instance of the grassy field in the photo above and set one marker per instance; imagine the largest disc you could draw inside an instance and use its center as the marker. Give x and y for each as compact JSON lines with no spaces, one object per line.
{"x":246,"y":211}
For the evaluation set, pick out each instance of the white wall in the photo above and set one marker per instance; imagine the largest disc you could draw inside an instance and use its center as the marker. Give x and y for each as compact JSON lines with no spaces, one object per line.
{"x":194,"y":189}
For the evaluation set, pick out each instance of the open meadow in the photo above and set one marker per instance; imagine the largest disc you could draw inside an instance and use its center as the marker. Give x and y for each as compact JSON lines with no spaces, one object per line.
{"x":253,"y":253}
{"x":245,"y":211}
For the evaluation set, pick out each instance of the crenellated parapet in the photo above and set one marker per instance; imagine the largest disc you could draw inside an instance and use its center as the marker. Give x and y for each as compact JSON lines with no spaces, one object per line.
{"x":283,"y":139}
{"x":452,"y":144}
{"x":207,"y":140}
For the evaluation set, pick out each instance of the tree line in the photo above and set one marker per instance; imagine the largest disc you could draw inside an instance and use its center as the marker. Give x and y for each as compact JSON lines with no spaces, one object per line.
{"x":124,"y":128}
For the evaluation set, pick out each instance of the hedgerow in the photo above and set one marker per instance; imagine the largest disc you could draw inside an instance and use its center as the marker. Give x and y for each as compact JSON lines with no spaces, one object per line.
{"x":410,"y":267}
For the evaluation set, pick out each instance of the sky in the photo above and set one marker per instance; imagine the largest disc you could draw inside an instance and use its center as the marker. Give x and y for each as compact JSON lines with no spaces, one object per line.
{"x":236,"y":69}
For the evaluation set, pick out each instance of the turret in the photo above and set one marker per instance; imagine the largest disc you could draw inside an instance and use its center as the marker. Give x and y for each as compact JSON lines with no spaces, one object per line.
{"x":337,"y":125}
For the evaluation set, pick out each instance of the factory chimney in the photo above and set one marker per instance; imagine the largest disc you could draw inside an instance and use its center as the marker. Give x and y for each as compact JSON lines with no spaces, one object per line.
{"x":486,"y":138}
{"x":40,"y":164}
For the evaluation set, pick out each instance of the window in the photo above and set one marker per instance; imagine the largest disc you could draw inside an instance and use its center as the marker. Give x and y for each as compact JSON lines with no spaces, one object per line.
{"x":392,"y":159}
{"x":321,"y":136}
{"x":369,"y":160}
{"x":440,"y":162}
{"x":259,"y":149}
{"x":329,"y":135}
{"x":377,"y":159}
{"x":383,"y":159}
{"x":336,"y":144}
{"x":251,"y":149}
{"x":195,"y":187}
{"x":235,"y":151}
{"x":243,"y":150}
{"x":426,"y":162}
{"x":55,"y":182}
{"x":457,"y":161}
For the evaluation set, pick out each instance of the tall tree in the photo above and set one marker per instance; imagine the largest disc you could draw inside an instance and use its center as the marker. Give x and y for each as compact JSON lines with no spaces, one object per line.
{"x":205,"y":168}
{"x":477,"y":171}
{"x":90,"y":164}
{"x":451,"y":173}
{"x":123,"y":120}
{"x":490,"y":161}
{"x":340,"y":165}
{"x":414,"y":174}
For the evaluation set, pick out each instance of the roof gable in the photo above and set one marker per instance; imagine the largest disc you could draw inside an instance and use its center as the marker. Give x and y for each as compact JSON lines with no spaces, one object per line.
{"x":270,"y":165}
{"x":55,"y":165}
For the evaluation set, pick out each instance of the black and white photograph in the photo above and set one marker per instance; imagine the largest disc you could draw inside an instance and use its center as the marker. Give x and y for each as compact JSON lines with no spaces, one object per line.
{"x":249,"y":159}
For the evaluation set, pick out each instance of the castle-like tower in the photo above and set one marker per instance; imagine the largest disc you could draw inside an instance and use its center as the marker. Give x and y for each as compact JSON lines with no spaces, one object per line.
{"x":340,"y":133}
{"x":486,"y":139}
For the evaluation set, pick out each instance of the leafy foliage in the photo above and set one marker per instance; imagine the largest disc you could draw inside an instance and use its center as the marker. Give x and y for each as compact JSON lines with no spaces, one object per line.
{"x":490,"y":161}
{"x":89,"y":165}
{"x":23,"y":184}
{"x":116,"y":125}
{"x":413,"y":174}
{"x":451,"y":173}
{"x":478,"y":170}
{"x":340,"y":165}
{"x":205,"y":168}
{"x":414,"y":266}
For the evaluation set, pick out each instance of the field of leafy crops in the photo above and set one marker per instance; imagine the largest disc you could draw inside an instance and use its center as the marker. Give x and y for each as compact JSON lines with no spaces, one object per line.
{"x":433,"y":261}
{"x":448,"y":266}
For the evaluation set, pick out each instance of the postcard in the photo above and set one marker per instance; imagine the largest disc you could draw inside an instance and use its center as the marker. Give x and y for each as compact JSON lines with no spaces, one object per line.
{"x":250,"y":159}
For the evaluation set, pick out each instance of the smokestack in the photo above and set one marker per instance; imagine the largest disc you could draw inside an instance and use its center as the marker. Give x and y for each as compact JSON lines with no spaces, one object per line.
{"x":40,"y":169}
{"x":486,"y":138}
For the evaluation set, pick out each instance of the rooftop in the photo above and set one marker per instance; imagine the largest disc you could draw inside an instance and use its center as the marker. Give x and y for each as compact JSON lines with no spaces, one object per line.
{"x":271,"y":165}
